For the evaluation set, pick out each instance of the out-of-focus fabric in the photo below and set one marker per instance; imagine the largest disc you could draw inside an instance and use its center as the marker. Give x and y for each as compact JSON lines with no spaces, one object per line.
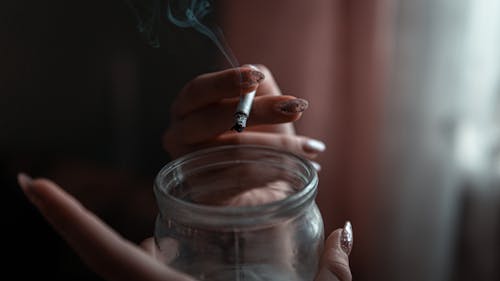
{"x":405,"y":95}
{"x":332,"y":53}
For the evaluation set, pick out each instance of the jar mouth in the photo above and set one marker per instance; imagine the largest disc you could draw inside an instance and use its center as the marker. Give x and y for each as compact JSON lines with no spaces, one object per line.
{"x":202,"y":168}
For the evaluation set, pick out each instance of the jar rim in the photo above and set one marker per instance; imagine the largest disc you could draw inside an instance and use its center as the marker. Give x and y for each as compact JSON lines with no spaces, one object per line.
{"x":231,"y":215}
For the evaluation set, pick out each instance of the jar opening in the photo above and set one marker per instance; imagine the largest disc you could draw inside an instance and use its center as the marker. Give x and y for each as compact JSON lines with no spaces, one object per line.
{"x":229,"y":182}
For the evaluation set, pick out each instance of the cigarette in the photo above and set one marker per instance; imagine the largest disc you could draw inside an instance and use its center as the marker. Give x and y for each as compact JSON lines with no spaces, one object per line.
{"x":243,"y":111}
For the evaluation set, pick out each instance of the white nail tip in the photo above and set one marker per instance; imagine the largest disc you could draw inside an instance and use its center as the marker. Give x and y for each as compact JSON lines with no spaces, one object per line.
{"x":316,"y":166}
{"x":315,"y":145}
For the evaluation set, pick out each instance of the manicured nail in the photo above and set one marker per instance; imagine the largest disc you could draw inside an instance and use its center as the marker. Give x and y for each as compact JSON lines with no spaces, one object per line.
{"x":346,"y":239}
{"x":316,"y":166}
{"x":251,"y":78}
{"x":252,"y":66}
{"x":314,"y":146}
{"x":24,"y":181}
{"x":290,"y":107}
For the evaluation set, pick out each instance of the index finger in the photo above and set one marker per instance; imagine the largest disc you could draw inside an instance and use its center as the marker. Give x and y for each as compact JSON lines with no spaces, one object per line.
{"x":210,"y":88}
{"x":101,"y":248}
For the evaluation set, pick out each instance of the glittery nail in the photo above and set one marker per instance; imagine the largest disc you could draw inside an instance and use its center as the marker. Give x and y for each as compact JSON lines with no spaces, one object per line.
{"x":346,"y":238}
{"x":251,"y":78}
{"x":291,"y":107}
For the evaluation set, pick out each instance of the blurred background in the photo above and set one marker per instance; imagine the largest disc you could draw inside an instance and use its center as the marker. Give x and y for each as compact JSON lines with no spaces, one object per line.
{"x":405,"y":93}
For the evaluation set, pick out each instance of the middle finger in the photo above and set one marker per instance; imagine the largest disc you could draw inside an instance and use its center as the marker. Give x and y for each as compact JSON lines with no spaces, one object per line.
{"x":207,"y":123}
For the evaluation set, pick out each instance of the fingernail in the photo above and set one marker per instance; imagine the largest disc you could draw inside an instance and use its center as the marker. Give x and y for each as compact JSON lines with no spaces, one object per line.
{"x":316,"y":166}
{"x":346,"y":239}
{"x":293,"y":106}
{"x":24,"y":181}
{"x":251,"y":78}
{"x":314,"y":146}
{"x":252,"y":66}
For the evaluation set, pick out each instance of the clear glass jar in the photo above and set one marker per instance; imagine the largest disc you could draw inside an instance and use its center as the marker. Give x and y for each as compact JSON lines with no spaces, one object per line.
{"x":239,"y":213}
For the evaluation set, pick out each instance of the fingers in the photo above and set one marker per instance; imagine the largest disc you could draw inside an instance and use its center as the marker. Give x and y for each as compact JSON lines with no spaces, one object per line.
{"x":268,"y":87}
{"x":335,"y":260}
{"x":205,"y":108}
{"x":285,"y":109}
{"x":301,"y":145}
{"x":149,"y":246}
{"x":104,"y":251}
{"x":209,"y":122}
{"x":210,"y":88}
{"x":168,"y":252}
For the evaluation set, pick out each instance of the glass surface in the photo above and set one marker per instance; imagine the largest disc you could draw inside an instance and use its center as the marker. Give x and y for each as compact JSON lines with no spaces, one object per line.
{"x":239,"y":213}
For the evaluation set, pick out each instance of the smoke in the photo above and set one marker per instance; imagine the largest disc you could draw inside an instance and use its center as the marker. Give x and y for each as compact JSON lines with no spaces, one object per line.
{"x":198,"y":14}
{"x":147,"y":14}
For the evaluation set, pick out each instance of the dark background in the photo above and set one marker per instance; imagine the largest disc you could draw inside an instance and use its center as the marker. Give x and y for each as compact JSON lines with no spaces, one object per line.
{"x":84,"y":100}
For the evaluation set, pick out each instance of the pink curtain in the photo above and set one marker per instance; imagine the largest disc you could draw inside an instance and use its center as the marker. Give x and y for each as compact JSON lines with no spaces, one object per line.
{"x":334,"y":53}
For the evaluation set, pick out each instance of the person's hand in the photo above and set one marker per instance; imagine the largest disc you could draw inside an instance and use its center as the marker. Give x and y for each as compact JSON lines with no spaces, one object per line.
{"x":202,"y":114}
{"x":99,"y":246}
{"x":115,"y":258}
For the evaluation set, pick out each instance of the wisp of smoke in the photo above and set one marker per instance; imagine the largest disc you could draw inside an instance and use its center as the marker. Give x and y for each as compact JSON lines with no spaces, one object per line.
{"x":195,"y":14}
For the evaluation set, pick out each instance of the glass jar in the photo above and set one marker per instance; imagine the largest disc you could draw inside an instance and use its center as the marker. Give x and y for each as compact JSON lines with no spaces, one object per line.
{"x":239,"y":213}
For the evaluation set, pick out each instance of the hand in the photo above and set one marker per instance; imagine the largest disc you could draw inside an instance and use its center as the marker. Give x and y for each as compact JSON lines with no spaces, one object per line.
{"x":202,"y":114}
{"x":115,"y":258}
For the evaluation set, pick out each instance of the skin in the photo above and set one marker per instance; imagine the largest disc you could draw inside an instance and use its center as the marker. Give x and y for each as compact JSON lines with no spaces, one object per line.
{"x":205,"y":103}
{"x":202,"y":115}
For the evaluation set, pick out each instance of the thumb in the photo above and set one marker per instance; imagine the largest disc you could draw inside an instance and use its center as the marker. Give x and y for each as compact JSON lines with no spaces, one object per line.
{"x":149,"y":246}
{"x":334,"y":265}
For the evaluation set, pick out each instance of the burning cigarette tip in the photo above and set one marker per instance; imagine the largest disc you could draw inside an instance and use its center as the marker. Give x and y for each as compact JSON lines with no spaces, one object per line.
{"x":240,"y":122}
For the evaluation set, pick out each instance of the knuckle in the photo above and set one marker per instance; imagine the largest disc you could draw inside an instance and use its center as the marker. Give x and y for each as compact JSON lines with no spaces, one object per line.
{"x":284,"y":141}
{"x":291,"y":143}
{"x":237,"y":139}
